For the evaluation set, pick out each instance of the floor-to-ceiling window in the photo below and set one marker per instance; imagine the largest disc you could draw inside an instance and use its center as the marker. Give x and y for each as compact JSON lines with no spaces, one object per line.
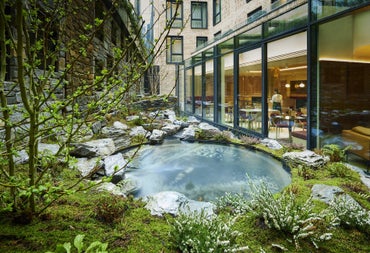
{"x":344,"y":82}
{"x":198,"y":90}
{"x":188,"y":93}
{"x":208,"y":103}
{"x":250,"y":90}
{"x":287,"y":87}
{"x":226,"y":90}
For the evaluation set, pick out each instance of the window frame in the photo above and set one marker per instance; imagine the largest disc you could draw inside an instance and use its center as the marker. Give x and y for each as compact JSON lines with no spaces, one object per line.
{"x":203,"y":19}
{"x":171,"y":13}
{"x":170,"y":41}
{"x":201,"y":40}
{"x":216,"y":12}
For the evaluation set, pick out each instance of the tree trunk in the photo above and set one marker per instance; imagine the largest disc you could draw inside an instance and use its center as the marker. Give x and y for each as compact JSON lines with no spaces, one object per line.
{"x":3,"y":101}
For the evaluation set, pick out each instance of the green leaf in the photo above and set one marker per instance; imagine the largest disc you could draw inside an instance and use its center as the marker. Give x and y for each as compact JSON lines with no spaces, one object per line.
{"x":78,"y":242}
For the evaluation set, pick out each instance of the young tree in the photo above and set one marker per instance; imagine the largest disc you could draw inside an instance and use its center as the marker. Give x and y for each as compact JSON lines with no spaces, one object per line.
{"x":63,"y":86}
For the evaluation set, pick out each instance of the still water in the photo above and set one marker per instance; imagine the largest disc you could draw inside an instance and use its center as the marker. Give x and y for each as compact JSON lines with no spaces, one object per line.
{"x":203,"y":171}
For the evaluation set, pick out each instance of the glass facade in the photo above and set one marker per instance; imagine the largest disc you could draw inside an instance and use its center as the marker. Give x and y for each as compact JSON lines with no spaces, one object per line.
{"x":250,"y":90}
{"x":287,"y":76}
{"x":344,"y":82}
{"x":298,"y":78}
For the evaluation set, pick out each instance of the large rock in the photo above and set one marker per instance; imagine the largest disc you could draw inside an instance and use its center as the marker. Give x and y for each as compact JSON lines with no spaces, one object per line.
{"x":49,"y":148}
{"x":171,"y":129}
{"x":101,"y":147}
{"x":306,"y":157}
{"x":21,"y":157}
{"x":120,"y":125}
{"x":87,"y":165}
{"x":170,"y":115}
{"x":174,"y":203}
{"x":114,"y":165}
{"x":139,"y":130}
{"x":193,"y":120}
{"x":112,"y":132}
{"x":209,"y":130}
{"x":188,"y":134}
{"x":157,"y":136}
{"x":328,"y":193}
{"x":272,"y":144}
{"x":112,"y":188}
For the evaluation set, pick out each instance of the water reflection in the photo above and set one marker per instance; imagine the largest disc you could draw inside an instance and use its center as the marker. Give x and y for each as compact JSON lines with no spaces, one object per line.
{"x":203,"y":171}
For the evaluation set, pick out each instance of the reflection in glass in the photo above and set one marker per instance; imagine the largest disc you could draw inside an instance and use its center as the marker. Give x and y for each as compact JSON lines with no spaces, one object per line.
{"x":287,"y":76}
{"x":250,"y":90}
{"x":344,"y":84}
{"x":226,"y":90}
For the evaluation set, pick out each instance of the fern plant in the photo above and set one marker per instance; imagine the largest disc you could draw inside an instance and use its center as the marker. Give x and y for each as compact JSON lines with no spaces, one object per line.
{"x":96,"y":246}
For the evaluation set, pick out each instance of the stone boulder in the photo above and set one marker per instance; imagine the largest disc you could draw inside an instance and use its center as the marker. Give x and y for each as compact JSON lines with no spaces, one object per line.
{"x":112,"y":132}
{"x":272,"y":144}
{"x":306,"y":157}
{"x":21,"y":157}
{"x":157,"y":136}
{"x":87,"y":165}
{"x":327,"y":194}
{"x":120,"y":125}
{"x":188,"y":134}
{"x":114,"y":165}
{"x":175,"y":203}
{"x":112,"y":188}
{"x":94,"y":148}
{"x":193,"y":120}
{"x":171,"y":129}
{"x":139,"y":130}
{"x":208,"y":130}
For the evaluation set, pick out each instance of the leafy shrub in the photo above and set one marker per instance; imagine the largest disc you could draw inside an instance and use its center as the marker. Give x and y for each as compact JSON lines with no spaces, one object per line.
{"x":285,"y":214}
{"x":334,"y":152}
{"x":110,"y":208}
{"x":339,"y":169}
{"x":198,"y":232}
{"x":96,"y":246}
{"x":350,"y":214}
{"x":306,"y":172}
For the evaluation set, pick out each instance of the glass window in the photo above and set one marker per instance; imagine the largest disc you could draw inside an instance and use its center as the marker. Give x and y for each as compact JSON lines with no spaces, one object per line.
{"x":250,"y":90}
{"x":225,"y":100}
{"x":175,"y":13}
{"x":250,"y":37}
{"x":216,"y":12}
{"x":255,"y":14}
{"x":188,"y":90}
{"x":198,"y":14}
{"x":198,"y":90}
{"x":288,"y":21}
{"x":324,"y":8}
{"x":174,"y":49}
{"x":287,"y":88}
{"x":344,"y":82}
{"x":209,"y":91}
{"x":181,"y":88}
{"x":201,"y":41}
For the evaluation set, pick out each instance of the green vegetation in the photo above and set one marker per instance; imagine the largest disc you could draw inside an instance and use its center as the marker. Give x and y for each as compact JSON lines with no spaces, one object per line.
{"x":290,"y":221}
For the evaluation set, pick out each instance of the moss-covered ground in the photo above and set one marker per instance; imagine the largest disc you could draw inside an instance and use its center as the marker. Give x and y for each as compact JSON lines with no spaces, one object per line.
{"x":133,"y":229}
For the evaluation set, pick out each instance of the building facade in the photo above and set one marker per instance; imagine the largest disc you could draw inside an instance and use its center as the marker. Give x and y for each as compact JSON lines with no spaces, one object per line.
{"x":62,"y":38}
{"x":315,"y":54}
{"x":193,"y":24}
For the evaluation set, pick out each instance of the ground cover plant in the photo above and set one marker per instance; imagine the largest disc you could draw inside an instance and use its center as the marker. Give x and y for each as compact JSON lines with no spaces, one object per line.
{"x":289,"y":221}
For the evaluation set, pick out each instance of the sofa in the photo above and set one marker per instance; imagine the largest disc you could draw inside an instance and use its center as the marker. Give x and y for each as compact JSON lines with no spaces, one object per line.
{"x":358,"y":138}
